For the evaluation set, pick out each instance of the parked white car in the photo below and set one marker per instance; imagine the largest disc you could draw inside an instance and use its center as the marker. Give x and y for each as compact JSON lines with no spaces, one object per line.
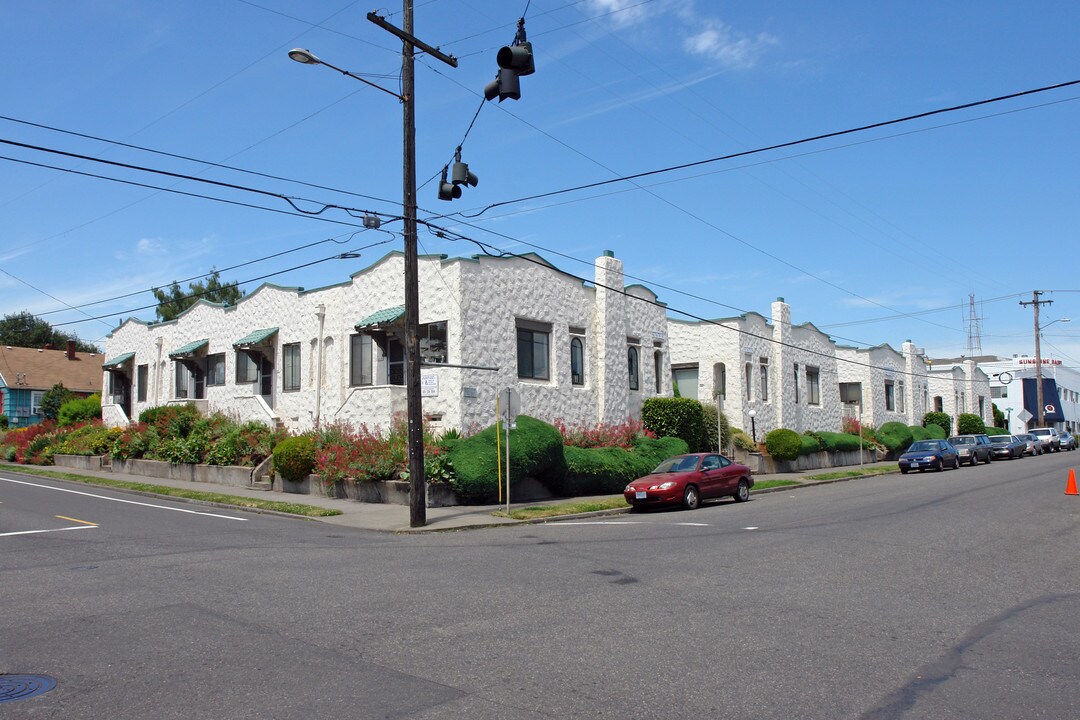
{"x":1049,"y":436}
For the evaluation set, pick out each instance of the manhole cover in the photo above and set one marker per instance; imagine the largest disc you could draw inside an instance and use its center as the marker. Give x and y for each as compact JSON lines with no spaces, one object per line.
{"x":22,"y":687}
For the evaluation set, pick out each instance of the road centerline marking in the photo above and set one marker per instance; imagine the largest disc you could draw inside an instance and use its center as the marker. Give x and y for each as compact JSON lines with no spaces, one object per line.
{"x":35,"y":532}
{"x":83,"y":522}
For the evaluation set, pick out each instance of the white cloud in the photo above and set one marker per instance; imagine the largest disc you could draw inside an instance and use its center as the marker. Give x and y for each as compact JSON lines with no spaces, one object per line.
{"x":719,"y":42}
{"x":150,"y":246}
{"x":622,"y":13}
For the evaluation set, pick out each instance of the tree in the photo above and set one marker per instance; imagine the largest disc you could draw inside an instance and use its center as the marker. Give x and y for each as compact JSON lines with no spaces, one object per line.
{"x":999,"y":417}
{"x":53,"y":398}
{"x":173,"y":300}
{"x":26,"y":330}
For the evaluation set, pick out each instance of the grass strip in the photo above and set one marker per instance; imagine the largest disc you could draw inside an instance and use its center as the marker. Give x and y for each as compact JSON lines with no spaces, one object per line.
{"x":764,"y":484}
{"x":851,"y":473}
{"x":570,"y":508}
{"x":236,"y":500}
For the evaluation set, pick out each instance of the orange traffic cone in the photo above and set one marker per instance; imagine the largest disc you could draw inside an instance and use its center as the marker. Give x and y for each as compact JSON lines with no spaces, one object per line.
{"x":1070,"y":487}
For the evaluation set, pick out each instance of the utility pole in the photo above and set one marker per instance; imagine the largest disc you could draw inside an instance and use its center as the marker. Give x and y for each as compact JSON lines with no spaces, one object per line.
{"x":1035,"y":303}
{"x":417,"y":476}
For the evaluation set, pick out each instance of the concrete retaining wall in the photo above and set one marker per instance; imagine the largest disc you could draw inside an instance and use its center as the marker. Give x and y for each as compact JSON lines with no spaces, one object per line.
{"x":234,"y":476}
{"x":79,"y":462}
{"x":766,"y":464}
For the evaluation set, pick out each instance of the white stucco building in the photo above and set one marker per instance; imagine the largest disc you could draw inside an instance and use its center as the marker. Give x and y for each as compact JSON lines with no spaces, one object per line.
{"x":585,"y":352}
{"x":582,"y":352}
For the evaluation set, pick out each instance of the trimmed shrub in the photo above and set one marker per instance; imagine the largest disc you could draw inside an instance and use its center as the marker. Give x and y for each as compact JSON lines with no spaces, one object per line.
{"x":784,"y":444}
{"x":536,"y":451}
{"x":294,"y":458}
{"x":997,"y":431}
{"x":598,"y":471}
{"x":79,"y":410}
{"x":942,"y":420}
{"x":895,"y":436}
{"x":968,"y":424}
{"x":676,"y":417}
{"x":743,"y":441}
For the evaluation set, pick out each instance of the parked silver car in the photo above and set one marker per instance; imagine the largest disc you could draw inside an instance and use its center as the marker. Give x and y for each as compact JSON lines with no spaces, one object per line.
{"x":1067,"y":440}
{"x":1033,"y":444}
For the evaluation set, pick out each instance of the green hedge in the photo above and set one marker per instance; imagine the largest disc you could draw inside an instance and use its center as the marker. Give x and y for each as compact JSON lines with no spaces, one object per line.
{"x":676,"y":417}
{"x":895,"y":436}
{"x":997,"y":431}
{"x":838,"y":442}
{"x":536,"y":451}
{"x":918,"y":432}
{"x":810,"y":443}
{"x":600,"y":471}
{"x":79,"y":410}
{"x":936,"y":432}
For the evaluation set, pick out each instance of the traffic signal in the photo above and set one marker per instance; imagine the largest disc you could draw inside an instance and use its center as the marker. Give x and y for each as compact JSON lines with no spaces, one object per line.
{"x":514,"y":61}
{"x":448,"y":191}
{"x":460,"y":175}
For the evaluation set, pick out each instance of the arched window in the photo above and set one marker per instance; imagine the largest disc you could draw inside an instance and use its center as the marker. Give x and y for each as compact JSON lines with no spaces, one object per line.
{"x":658,"y":370}
{"x":577,"y":361}
{"x":632,"y":363}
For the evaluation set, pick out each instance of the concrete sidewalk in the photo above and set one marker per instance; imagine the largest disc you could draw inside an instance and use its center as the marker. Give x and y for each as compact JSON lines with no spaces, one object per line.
{"x":395,"y":518}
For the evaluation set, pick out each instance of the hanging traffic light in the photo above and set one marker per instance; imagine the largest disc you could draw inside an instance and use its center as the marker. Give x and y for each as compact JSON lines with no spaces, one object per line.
{"x":514,"y":61}
{"x":448,"y":191}
{"x":460,"y":175}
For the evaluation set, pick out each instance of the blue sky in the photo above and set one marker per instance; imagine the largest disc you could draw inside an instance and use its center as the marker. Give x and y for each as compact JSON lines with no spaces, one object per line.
{"x":889,"y":223}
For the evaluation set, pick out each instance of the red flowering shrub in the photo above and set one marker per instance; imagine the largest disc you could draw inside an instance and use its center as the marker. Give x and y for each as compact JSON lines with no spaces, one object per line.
{"x":342,"y":453}
{"x":602,"y":435}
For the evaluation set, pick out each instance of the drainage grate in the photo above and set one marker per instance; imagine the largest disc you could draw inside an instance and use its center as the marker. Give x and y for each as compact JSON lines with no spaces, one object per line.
{"x":22,"y":687}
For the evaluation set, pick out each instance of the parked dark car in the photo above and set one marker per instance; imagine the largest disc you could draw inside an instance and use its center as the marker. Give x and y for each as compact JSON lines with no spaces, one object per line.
{"x":689,"y":479}
{"x":972,"y":448}
{"x":1007,"y":446}
{"x":1033,"y":444}
{"x":1067,"y":440}
{"x":929,"y":454}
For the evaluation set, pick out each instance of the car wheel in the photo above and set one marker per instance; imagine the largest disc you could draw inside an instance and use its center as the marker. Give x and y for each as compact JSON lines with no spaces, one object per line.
{"x":742,"y":493}
{"x":691,"y":499}
{"x":973,"y":461}
{"x":903,"y":471}
{"x":989,"y":458}
{"x":956,"y":463}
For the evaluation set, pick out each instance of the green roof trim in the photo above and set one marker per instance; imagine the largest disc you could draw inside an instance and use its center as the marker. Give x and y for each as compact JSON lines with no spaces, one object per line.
{"x":118,"y":360}
{"x":255,"y":338}
{"x":382,"y":317}
{"x":190,"y":349}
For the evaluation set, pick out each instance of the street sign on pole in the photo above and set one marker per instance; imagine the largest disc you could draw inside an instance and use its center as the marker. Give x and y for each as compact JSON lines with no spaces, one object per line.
{"x":508,"y":408}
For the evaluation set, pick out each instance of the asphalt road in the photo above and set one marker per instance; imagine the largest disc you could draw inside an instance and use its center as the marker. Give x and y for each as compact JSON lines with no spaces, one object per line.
{"x":931,"y":595}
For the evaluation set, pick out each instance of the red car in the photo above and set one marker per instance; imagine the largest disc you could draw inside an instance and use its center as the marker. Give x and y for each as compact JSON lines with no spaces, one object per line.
{"x":689,"y":479}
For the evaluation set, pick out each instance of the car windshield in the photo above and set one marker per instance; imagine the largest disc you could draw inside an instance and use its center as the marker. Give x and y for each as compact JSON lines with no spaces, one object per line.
{"x":682,"y":463}
{"x":1040,"y":432}
{"x":962,"y":441}
{"x":1001,"y":438}
{"x":924,"y":446}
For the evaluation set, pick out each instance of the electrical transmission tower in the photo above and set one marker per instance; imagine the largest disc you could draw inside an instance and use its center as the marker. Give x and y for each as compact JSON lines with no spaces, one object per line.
{"x":974,"y":342}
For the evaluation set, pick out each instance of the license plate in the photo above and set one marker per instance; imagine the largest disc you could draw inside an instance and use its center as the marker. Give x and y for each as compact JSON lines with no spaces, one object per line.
{"x":640,"y":495}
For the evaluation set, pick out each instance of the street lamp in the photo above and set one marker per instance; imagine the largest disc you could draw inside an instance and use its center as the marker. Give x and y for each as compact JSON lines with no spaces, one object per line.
{"x":753,"y":426}
{"x":414,"y":411}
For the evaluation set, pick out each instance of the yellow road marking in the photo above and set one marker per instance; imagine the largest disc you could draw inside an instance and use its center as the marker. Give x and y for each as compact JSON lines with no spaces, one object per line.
{"x":84,"y":522}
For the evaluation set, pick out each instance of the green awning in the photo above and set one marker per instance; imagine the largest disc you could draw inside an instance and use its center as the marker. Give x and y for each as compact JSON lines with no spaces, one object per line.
{"x":188,"y":350}
{"x":382,"y":317}
{"x":254,"y":338}
{"x":118,"y":361}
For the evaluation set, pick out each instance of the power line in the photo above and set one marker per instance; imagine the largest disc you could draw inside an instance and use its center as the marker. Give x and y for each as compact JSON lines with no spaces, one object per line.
{"x":790,"y":143}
